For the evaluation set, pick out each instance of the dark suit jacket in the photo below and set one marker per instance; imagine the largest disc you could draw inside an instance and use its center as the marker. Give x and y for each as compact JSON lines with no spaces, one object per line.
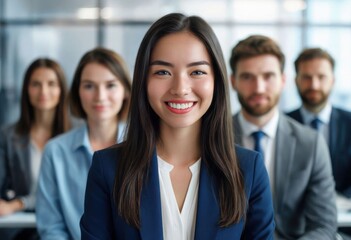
{"x":101,"y":221}
{"x":14,"y":158}
{"x":303,"y":188}
{"x":339,"y":147}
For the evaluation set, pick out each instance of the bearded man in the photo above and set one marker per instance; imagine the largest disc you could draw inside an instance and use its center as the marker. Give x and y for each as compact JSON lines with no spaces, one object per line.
{"x":296,"y":156}
{"x":314,"y":81}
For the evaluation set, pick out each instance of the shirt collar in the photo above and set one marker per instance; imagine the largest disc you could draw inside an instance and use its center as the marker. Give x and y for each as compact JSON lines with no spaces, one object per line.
{"x":323,"y":115}
{"x":121,"y":131}
{"x":269,"y":129}
{"x":82,"y":139}
{"x":167,"y":167}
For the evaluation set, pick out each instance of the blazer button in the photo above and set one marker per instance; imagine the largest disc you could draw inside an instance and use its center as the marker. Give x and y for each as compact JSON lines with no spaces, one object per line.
{"x":10,"y":194}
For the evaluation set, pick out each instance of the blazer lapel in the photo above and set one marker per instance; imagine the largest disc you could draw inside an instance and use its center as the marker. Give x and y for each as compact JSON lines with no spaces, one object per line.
{"x":21,"y":163}
{"x":21,"y":149}
{"x":284,"y":154}
{"x":208,"y":207}
{"x":150,"y":205}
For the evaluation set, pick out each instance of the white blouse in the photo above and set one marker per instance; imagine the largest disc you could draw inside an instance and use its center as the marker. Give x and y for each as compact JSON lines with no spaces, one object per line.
{"x":178,"y":225}
{"x":35,"y":161}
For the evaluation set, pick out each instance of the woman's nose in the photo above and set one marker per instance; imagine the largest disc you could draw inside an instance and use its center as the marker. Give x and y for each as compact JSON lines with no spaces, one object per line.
{"x":181,"y":85}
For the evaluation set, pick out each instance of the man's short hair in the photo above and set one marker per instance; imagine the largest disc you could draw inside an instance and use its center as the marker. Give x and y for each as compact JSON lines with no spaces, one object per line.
{"x":312,"y":53}
{"x":253,"y":46}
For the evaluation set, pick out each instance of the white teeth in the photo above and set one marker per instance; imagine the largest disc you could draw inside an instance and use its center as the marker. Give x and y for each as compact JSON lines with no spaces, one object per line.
{"x":180,"y":105}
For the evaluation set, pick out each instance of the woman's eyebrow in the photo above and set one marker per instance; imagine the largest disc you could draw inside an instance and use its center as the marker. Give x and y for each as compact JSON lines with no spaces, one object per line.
{"x":198,"y":63}
{"x":160,"y":62}
{"x":164,"y":63}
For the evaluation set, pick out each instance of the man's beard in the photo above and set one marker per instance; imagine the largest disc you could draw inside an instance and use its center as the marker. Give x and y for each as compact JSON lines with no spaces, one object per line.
{"x":313,"y":102}
{"x":258,"y":110}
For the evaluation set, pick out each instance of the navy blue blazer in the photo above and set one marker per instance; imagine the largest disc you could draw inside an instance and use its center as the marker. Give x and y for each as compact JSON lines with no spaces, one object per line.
{"x":101,"y":221}
{"x":339,"y":146}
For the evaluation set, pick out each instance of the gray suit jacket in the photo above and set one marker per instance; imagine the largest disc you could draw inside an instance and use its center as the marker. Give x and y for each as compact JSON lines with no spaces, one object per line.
{"x":303,"y":188}
{"x":15,"y":173}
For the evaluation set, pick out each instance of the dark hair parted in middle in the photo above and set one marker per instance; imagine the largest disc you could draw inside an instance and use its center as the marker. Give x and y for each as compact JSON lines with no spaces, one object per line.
{"x":253,"y":46}
{"x":61,"y":121}
{"x":217,"y":143}
{"x":113,"y":62}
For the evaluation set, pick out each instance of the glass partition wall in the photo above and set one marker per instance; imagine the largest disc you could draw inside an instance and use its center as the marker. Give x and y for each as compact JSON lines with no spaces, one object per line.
{"x":64,"y":30}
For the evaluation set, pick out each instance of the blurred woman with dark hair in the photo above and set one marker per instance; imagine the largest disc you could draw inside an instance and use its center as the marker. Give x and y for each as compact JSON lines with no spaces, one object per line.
{"x":44,"y":115}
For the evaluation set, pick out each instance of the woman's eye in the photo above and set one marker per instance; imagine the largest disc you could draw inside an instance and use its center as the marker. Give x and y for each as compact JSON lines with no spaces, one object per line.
{"x":198,"y":72}
{"x":53,"y":84}
{"x":322,"y":77}
{"x":162,"y":72}
{"x":87,"y":86}
{"x":111,"y":85}
{"x":35,"y":84}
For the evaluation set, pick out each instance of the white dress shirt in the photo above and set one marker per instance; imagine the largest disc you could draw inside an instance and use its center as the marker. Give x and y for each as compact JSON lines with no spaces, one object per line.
{"x":323,"y":116}
{"x":178,"y":225}
{"x":268,"y":141}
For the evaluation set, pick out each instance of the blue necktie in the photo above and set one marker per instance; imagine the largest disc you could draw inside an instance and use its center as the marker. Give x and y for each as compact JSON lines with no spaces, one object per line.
{"x":257,"y":138}
{"x":316,"y":123}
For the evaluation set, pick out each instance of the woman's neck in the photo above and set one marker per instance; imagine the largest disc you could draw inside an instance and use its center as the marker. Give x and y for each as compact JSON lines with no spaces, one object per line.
{"x":41,"y":131}
{"x":179,"y":147}
{"x":44,"y":119}
{"x":102,"y":134}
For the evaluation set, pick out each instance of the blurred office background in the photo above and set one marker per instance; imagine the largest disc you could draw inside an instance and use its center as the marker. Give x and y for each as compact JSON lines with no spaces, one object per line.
{"x":65,"y":29}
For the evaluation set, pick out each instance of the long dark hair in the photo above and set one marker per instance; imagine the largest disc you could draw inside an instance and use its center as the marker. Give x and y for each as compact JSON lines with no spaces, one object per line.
{"x":61,"y":120}
{"x":113,"y":62}
{"x":143,"y":128}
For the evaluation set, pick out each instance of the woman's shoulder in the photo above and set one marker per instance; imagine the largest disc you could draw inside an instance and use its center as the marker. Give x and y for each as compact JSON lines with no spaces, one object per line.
{"x":245,"y":156}
{"x":105,"y":161}
{"x":108,"y":157}
{"x":8,"y":134}
{"x":66,"y":139}
{"x":249,"y":161}
{"x":108,"y":154}
{"x":8,"y":130}
{"x":260,"y":218}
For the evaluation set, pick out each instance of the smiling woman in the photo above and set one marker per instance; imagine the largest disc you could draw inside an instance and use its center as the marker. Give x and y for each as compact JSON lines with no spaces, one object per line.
{"x":175,"y":177}
{"x":100,"y":95}
{"x":180,"y":89}
{"x":44,"y":115}
{"x":44,"y":89}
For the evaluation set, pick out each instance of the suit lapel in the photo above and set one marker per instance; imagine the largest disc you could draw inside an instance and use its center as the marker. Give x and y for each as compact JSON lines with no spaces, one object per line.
{"x":333,"y":132}
{"x":237,"y":130}
{"x":284,"y":154}
{"x":298,"y":116}
{"x":208,"y":207}
{"x":21,"y":162}
{"x":150,"y":205}
{"x":285,"y":144}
